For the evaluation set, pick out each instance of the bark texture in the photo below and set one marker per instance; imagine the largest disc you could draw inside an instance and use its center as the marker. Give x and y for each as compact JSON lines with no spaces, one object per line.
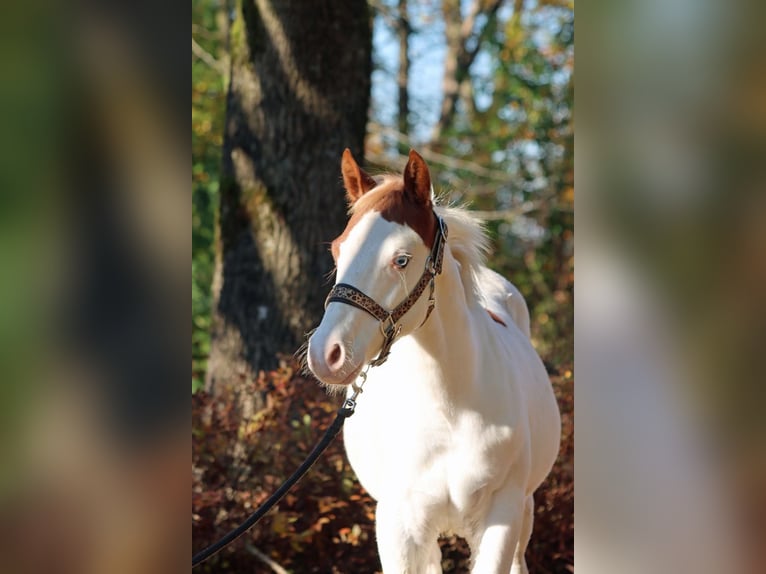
{"x":299,"y":94}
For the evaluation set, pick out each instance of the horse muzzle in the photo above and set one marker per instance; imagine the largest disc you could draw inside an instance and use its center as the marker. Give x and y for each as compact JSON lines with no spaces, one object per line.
{"x":330,"y":362}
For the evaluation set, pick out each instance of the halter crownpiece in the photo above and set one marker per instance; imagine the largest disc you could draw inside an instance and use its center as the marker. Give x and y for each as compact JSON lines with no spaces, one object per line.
{"x":350,"y":295}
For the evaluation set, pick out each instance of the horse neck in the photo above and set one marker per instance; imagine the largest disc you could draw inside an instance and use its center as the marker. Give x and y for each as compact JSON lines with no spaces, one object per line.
{"x":447,"y":334}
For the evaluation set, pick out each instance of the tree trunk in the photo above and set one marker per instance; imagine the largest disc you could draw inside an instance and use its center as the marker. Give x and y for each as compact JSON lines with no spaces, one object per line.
{"x":299,"y":93}
{"x":459,"y":33}
{"x":402,"y":80}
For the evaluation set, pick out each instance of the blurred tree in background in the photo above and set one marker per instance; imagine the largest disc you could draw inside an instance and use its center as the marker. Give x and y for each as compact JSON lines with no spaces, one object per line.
{"x":484,"y":89}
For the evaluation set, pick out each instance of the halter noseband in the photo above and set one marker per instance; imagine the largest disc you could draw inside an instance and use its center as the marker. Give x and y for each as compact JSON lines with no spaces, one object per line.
{"x":344,"y":293}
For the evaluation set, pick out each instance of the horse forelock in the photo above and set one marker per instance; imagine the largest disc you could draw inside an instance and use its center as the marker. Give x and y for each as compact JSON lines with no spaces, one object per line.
{"x":388,"y":199}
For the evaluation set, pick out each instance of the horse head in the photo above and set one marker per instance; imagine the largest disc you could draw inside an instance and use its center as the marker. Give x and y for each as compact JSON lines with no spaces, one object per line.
{"x":383,"y":258}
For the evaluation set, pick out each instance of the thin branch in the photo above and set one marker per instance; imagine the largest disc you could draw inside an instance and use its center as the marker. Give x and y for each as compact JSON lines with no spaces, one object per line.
{"x":388,"y":14}
{"x":398,"y":161}
{"x":491,"y":12}
{"x":201,"y":31}
{"x":265,"y":559}
{"x":507,"y":214}
{"x":435,"y":157}
{"x":459,"y":57}
{"x":208,"y":58}
{"x":467,"y":26}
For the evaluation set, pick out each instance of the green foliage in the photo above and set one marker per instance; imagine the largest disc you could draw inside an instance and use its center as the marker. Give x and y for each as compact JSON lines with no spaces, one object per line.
{"x":520,"y":124}
{"x":208,"y":99}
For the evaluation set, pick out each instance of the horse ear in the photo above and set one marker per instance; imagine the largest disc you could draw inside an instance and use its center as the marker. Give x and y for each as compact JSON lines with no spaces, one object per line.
{"x":356,"y":181}
{"x":417,"y":180}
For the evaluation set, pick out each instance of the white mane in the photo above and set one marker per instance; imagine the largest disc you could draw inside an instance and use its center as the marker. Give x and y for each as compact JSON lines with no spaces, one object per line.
{"x":468,"y":242}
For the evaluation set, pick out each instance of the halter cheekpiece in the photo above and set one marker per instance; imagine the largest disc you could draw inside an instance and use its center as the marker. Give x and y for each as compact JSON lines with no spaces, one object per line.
{"x":344,"y":293}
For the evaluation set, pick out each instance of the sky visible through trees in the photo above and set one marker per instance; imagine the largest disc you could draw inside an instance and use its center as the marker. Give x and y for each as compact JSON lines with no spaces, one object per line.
{"x":427,"y":52}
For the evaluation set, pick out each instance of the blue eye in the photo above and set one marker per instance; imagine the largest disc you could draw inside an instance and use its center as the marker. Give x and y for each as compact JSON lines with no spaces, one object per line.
{"x":400,"y":261}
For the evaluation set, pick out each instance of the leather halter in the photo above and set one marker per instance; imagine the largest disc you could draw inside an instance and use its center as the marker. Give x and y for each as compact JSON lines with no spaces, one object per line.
{"x":350,"y":295}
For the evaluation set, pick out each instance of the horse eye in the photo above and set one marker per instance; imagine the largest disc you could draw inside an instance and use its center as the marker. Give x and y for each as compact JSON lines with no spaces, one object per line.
{"x":401,"y":261}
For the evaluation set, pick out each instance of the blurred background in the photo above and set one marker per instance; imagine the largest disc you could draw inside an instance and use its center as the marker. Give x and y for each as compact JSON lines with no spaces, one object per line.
{"x":670,"y":311}
{"x":484,"y":90}
{"x":94,"y":243}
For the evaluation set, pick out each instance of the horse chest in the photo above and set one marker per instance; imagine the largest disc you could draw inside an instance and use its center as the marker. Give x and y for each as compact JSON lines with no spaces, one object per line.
{"x":448,"y":462}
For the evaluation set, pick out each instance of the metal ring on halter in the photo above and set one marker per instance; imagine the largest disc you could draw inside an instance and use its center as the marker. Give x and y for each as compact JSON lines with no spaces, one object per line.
{"x":387,"y":330}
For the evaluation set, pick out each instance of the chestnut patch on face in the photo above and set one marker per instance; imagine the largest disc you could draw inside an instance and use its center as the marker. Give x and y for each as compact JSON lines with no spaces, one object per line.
{"x":393,"y":204}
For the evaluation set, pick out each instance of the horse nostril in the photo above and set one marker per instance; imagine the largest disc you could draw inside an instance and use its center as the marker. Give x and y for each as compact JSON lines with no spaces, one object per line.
{"x":335,"y":357}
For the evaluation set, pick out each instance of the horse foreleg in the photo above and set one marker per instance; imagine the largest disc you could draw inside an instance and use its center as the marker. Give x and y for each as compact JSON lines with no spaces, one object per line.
{"x":405,"y":547}
{"x":519,"y":563}
{"x":500,"y":537}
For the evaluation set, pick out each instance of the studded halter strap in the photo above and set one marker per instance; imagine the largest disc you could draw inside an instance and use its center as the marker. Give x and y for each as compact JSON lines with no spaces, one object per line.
{"x":344,"y":293}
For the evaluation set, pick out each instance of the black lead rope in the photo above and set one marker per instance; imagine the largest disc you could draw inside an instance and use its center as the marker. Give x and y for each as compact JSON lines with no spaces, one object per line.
{"x":343,"y":413}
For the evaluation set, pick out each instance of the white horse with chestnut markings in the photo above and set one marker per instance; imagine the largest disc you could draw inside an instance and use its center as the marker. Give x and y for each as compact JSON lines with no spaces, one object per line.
{"x":459,"y":425}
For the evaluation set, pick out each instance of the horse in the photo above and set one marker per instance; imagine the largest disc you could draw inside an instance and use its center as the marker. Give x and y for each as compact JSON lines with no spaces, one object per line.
{"x":458,"y":424}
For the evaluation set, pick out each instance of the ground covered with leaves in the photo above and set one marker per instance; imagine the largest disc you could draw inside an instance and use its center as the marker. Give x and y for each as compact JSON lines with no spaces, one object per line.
{"x":326,"y":523}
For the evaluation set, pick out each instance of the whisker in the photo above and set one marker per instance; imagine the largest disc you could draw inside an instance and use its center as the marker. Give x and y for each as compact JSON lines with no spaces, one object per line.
{"x":301,"y":354}
{"x":333,"y":390}
{"x":330,"y":274}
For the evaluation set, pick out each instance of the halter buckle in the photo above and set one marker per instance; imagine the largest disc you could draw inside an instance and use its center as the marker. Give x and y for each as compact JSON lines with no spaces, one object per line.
{"x":389,"y":336}
{"x":387,"y":326}
{"x":430,"y":265}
